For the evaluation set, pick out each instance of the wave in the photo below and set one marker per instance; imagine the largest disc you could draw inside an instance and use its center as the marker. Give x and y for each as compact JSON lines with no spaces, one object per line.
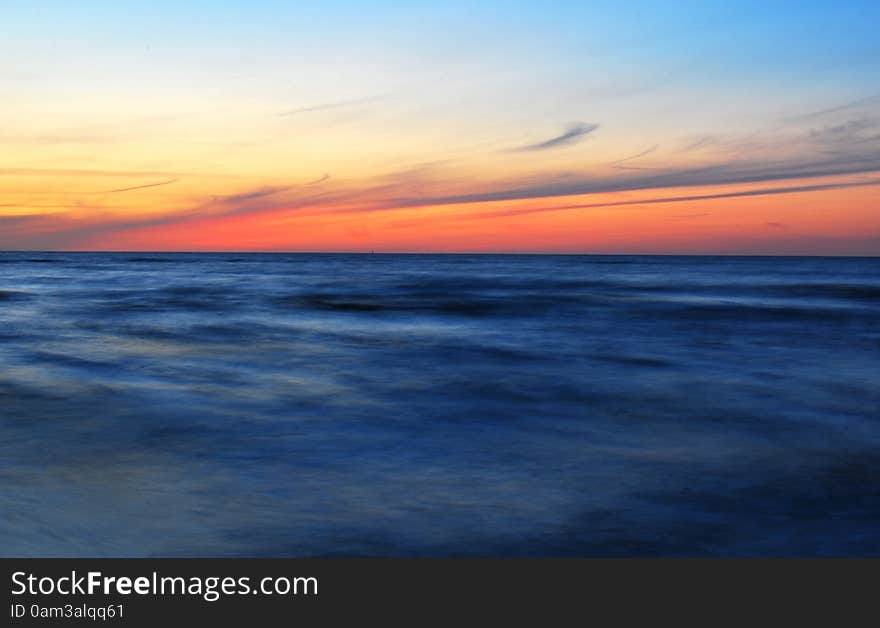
{"x":461,"y":305}
{"x":743,"y":312}
{"x":858,"y":292}
{"x":186,"y":297}
{"x":9,"y":295}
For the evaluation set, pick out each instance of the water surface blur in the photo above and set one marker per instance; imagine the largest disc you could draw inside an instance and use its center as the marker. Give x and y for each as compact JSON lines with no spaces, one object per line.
{"x":406,"y":405}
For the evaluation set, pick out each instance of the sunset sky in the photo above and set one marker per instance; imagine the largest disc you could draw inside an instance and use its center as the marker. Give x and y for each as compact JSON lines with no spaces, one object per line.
{"x":595,"y":127}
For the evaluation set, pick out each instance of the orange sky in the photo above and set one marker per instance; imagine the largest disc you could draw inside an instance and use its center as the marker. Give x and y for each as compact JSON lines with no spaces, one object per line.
{"x":819,"y":220}
{"x":298,"y":130}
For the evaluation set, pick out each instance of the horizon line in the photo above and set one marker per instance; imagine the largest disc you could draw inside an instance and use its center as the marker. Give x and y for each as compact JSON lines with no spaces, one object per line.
{"x":524,"y":253}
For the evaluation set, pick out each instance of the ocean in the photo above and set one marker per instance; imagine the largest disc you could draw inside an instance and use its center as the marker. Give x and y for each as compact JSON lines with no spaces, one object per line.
{"x":438,"y":405}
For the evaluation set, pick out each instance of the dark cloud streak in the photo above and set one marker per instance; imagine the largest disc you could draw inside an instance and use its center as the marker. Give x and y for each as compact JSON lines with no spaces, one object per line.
{"x":138,"y":187}
{"x":679,"y":199}
{"x":328,"y":106}
{"x":717,"y":174}
{"x":574,"y":134}
{"x":644,"y":153}
{"x":855,"y":104}
{"x":623,"y":164}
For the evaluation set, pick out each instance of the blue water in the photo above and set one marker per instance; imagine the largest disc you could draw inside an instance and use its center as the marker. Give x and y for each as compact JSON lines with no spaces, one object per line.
{"x":413,"y":405}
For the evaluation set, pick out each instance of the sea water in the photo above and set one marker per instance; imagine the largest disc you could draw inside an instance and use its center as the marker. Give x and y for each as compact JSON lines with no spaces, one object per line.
{"x":438,"y":405}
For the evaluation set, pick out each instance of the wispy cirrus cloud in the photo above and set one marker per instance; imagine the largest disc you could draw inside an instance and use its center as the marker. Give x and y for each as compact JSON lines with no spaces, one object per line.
{"x":340,"y":104}
{"x":70,"y":229}
{"x":794,"y":189}
{"x":867,"y":101}
{"x":250,"y":195}
{"x":758,"y":166}
{"x":321,"y":179}
{"x":623,"y":164}
{"x":574,"y":133}
{"x":139,"y":187}
{"x":84,"y":172}
{"x":853,"y":133}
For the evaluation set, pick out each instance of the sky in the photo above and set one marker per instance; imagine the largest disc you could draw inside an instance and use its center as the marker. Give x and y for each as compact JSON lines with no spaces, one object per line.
{"x":566,"y":127}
